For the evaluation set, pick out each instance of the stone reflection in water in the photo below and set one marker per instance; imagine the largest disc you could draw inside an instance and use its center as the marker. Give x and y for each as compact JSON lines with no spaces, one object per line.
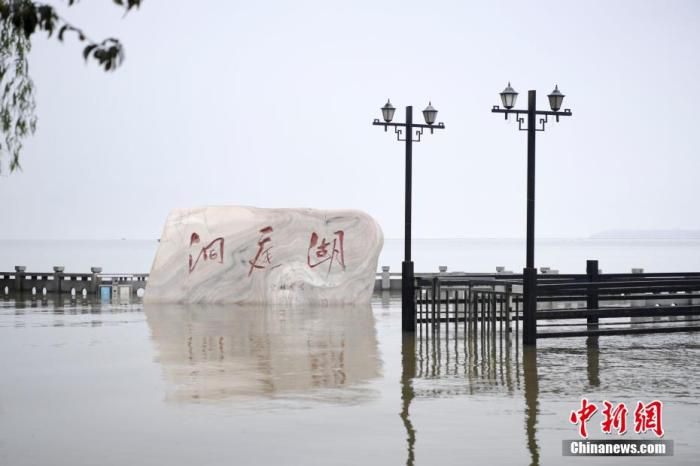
{"x":223,"y":352}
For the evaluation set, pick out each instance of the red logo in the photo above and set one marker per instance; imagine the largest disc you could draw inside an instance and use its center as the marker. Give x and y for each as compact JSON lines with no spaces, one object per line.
{"x":647,"y":417}
{"x":614,"y":418}
{"x":582,"y":416}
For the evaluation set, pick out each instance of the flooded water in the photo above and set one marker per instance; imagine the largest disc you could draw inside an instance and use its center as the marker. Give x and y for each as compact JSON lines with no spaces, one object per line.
{"x":84,"y":383}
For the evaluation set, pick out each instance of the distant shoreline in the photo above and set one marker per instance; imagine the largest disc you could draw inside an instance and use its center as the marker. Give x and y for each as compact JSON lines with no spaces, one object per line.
{"x":648,"y":234}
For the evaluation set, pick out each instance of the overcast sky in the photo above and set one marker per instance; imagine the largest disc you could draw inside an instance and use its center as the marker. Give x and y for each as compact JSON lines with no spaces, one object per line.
{"x":270,"y":104}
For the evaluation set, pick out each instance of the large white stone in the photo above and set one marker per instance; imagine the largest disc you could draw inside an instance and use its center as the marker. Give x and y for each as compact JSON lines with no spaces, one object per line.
{"x":282,"y":256}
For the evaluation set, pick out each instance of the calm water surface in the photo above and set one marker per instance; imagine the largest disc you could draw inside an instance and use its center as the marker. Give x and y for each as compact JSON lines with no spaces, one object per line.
{"x":119,"y":384}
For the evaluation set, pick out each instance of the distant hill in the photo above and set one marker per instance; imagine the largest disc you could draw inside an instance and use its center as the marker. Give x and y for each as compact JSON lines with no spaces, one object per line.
{"x":647,"y":234}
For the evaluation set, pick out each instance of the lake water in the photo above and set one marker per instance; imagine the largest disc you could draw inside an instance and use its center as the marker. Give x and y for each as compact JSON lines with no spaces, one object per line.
{"x":87,"y":383}
{"x":469,"y":255}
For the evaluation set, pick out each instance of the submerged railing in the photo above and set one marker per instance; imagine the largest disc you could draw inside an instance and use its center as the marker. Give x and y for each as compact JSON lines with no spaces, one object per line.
{"x":568,"y":305}
{"x":58,"y":282}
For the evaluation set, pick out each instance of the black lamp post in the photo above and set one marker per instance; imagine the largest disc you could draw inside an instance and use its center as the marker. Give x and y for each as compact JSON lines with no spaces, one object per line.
{"x":508,"y":98}
{"x":408,"y":309}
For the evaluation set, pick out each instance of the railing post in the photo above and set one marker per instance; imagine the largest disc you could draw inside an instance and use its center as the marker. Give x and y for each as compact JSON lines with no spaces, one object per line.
{"x":509,"y":290}
{"x":386,"y":277}
{"x":20,"y":272}
{"x":638,"y":302}
{"x":58,"y":277}
{"x":95,"y":286}
{"x":434,"y":293}
{"x":593,"y":292}
{"x":439,"y":299}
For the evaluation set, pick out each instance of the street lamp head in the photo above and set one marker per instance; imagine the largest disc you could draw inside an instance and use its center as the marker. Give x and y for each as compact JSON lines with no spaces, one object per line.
{"x":430,"y":114}
{"x":508,"y":97}
{"x":555,"y":99}
{"x":388,"y":111}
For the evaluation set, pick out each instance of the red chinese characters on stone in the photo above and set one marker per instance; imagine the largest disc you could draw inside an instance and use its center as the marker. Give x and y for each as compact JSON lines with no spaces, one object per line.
{"x":263,"y":258}
{"x":582,"y":416}
{"x":614,"y":418}
{"x":648,"y":417}
{"x":325,"y":251}
{"x":214,"y":252}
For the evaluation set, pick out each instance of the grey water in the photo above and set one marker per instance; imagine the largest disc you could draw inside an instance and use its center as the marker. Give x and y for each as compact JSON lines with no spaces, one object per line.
{"x":468,"y":255}
{"x":117,"y":383}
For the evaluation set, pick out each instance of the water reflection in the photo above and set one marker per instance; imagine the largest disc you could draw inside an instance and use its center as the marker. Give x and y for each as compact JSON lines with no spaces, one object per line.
{"x":494,"y":364}
{"x":593,"y":361}
{"x":215,"y":353}
{"x":532,"y":390}
{"x":408,"y":373}
{"x":24,"y":310}
{"x":488,"y":362}
{"x":475,"y":363}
